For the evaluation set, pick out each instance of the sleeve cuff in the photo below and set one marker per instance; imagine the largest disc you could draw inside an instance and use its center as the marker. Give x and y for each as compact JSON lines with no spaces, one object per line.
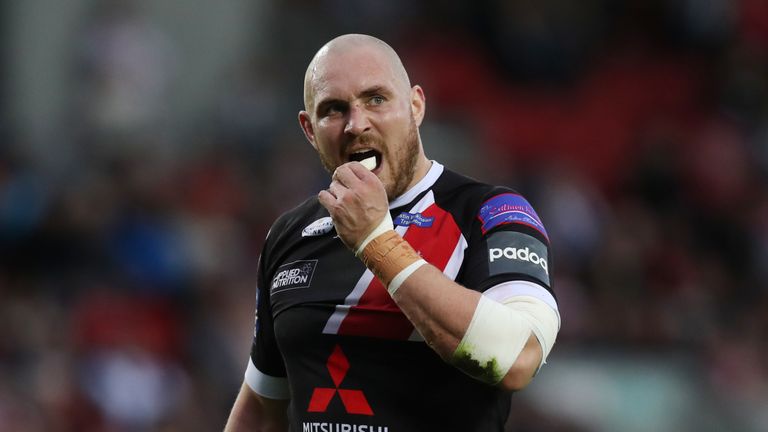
{"x":506,"y":290}
{"x":266,"y":385}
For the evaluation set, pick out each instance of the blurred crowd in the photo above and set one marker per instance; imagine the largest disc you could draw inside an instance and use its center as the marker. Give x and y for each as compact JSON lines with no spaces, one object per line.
{"x":638,"y":129}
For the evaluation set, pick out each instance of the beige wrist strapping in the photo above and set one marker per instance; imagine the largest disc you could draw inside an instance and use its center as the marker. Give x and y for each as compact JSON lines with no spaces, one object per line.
{"x":389,"y":256}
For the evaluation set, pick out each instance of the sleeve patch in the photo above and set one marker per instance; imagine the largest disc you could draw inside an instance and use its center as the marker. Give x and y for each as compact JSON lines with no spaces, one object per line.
{"x":509,"y":208}
{"x":515,"y":252}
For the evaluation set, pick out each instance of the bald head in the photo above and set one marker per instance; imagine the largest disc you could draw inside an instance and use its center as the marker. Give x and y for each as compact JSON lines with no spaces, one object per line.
{"x":351,"y":47}
{"x":358,"y":98}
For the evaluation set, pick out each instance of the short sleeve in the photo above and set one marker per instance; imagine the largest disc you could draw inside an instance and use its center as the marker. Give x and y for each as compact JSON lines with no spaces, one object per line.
{"x":508,"y":243}
{"x":265,"y":373}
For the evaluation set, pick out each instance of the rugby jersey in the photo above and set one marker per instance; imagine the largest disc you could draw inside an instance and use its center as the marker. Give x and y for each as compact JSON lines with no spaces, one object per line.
{"x":329,"y":337}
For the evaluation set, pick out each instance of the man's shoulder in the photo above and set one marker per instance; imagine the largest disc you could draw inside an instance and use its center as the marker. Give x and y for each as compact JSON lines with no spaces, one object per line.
{"x":298,"y":217}
{"x":306,"y":208}
{"x":453,"y":185}
{"x":472,"y":201}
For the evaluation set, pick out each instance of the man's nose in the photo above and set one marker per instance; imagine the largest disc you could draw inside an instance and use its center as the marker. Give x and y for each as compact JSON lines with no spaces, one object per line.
{"x":357,"y":120}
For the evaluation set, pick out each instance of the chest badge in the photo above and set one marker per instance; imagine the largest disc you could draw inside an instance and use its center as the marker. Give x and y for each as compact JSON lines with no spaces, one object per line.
{"x":418,"y":219}
{"x":318,"y":227}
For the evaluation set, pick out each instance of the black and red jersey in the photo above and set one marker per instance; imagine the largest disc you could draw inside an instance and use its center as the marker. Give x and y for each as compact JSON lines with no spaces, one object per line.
{"x":329,"y":337}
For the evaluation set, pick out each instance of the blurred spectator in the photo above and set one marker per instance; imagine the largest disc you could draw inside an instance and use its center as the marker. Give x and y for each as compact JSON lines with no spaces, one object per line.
{"x":128,"y":65}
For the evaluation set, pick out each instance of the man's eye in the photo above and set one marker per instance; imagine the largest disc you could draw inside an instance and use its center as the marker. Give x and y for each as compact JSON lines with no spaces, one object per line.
{"x":333,"y":109}
{"x":377,"y":100}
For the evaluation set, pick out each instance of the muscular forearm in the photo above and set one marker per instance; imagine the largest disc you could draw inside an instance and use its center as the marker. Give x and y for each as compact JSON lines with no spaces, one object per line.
{"x":439,"y":308}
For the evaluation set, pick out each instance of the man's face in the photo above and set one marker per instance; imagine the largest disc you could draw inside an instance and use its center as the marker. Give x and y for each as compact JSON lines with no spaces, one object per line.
{"x":361,"y":108}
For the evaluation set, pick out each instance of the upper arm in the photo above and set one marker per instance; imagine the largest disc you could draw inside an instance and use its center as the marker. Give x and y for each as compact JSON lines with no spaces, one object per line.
{"x":263,"y":398}
{"x":266,"y":372}
{"x":510,"y":262}
{"x":508,"y":242}
{"x":254,"y":413}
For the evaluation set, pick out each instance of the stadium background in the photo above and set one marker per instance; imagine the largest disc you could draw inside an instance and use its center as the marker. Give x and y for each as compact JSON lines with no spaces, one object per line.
{"x":145,"y":148}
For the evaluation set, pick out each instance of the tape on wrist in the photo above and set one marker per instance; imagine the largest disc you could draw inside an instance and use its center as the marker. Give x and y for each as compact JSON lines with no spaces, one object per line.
{"x":387,"y":256}
{"x":383,"y":226}
{"x":403,"y":275}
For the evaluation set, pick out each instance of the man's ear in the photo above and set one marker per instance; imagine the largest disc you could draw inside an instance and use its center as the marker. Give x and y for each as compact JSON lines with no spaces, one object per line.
{"x":306,"y":125}
{"x":418,"y":104}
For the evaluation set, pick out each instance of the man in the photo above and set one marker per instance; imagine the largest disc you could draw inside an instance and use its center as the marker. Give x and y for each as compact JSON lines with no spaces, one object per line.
{"x":404,"y":298}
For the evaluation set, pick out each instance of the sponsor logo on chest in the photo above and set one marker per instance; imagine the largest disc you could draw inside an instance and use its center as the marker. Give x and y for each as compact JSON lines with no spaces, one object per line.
{"x":294,"y":275}
{"x":353,"y":401}
{"x":340,"y":427}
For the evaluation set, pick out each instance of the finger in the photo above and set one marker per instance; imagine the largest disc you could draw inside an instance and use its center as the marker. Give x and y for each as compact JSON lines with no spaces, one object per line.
{"x":345,"y":174}
{"x":326,"y":199}
{"x":337,"y":189}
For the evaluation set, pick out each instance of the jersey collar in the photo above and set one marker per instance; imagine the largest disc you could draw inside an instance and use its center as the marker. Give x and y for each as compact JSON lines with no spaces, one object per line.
{"x":425,"y":183}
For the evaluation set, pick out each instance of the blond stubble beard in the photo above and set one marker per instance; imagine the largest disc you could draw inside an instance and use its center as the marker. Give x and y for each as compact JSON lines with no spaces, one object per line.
{"x":403,"y":160}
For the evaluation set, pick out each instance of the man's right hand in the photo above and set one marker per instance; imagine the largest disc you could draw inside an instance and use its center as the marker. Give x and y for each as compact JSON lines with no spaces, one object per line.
{"x":356,"y":201}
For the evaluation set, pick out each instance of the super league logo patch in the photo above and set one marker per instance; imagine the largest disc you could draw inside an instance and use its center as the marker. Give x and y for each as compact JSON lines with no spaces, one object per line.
{"x":295,"y":275}
{"x":418,"y":219}
{"x":509,"y":208}
{"x":318,"y":227}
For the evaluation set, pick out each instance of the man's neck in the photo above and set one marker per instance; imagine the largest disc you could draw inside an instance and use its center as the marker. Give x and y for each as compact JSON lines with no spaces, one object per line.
{"x":426,"y":177}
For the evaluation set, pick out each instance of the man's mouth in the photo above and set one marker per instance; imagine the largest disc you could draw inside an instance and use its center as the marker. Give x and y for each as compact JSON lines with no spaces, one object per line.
{"x":361,"y":155}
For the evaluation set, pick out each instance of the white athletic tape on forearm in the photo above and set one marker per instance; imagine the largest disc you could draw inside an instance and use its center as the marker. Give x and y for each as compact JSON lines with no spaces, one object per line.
{"x":498,"y":333}
{"x":494,"y":339}
{"x":544,"y":321}
{"x":383,"y":226}
{"x":403,"y":275}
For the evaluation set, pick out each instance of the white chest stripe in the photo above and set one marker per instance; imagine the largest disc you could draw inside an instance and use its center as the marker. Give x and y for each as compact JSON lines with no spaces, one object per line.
{"x":427,"y":182}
